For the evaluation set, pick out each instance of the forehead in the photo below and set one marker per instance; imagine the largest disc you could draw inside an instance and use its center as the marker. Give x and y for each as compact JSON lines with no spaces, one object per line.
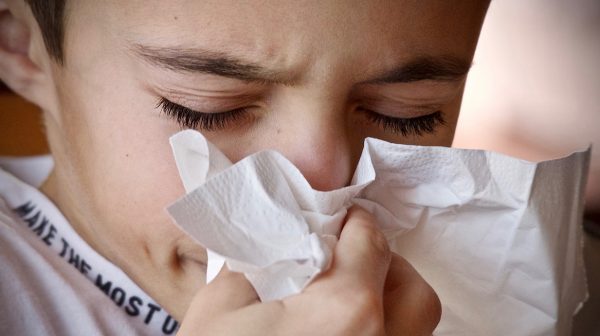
{"x":288,"y":32}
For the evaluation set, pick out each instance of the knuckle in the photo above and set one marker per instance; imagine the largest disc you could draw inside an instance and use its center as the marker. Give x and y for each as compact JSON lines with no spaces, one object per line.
{"x":369,"y":237}
{"x":380,"y":245}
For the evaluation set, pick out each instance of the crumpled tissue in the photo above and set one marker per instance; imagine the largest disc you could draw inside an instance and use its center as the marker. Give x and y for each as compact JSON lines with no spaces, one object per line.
{"x":499,"y":239}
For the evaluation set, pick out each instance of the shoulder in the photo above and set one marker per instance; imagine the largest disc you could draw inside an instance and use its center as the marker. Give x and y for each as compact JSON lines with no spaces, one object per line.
{"x":20,"y":263}
{"x":50,"y":275}
{"x":36,"y":285}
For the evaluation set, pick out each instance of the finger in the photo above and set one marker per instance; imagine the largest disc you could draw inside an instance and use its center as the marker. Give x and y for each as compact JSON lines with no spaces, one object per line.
{"x":229,"y":291}
{"x":411,"y":305}
{"x":362,"y":253}
{"x":352,"y":289}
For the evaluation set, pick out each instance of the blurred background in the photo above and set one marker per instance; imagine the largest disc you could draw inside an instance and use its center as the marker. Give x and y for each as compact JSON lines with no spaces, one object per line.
{"x":534,"y":89}
{"x":533,"y":93}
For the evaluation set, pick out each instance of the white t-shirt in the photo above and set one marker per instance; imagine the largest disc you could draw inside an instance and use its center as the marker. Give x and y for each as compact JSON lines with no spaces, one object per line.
{"x":51,"y":281}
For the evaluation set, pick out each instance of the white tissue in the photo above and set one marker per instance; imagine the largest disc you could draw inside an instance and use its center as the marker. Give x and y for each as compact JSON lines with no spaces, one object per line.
{"x":498,"y":238}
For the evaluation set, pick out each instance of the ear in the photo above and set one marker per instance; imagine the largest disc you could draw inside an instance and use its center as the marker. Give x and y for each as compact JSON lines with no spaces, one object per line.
{"x":20,"y":57}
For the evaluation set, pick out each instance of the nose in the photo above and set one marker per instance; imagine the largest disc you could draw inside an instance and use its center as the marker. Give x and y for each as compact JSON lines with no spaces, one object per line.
{"x":320,"y":146}
{"x":322,"y":155}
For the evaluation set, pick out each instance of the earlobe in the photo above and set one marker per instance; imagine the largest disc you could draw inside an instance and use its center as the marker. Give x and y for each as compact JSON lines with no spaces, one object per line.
{"x":17,"y":70}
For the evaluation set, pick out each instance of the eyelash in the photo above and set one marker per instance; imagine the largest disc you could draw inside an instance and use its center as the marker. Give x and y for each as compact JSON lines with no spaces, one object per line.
{"x":189,"y":118}
{"x":418,"y":126}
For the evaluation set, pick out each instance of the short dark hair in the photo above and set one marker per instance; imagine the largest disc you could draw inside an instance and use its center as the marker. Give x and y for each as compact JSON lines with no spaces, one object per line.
{"x":50,"y":16}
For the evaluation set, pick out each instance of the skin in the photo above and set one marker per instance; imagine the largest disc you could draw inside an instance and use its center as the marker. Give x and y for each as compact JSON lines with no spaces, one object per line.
{"x":114,"y":173}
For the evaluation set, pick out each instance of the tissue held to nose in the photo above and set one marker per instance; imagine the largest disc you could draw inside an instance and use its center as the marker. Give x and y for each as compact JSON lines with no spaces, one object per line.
{"x":498,"y":238}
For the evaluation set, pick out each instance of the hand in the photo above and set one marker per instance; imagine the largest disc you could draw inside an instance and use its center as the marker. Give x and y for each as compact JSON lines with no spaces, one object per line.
{"x":367,"y":291}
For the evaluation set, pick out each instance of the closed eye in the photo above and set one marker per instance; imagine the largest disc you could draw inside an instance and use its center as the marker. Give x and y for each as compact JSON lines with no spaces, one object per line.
{"x":417,"y":126}
{"x":188,"y":118}
{"x":215,"y":121}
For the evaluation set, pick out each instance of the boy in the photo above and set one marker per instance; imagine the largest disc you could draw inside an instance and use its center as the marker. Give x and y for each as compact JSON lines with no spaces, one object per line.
{"x":310,"y":79}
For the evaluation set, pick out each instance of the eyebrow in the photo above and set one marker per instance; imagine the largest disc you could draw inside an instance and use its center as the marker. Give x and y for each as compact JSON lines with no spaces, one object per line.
{"x":210,"y":62}
{"x":436,"y":68}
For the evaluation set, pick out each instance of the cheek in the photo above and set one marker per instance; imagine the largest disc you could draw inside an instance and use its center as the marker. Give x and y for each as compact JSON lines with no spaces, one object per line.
{"x":136,"y":174}
{"x":124,"y":162}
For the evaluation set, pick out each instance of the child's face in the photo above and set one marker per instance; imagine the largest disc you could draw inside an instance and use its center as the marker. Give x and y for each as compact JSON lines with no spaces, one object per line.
{"x":314,"y":78}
